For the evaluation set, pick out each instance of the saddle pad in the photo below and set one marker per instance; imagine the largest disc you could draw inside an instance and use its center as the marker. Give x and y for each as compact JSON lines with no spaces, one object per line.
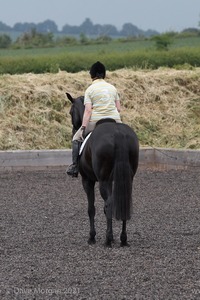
{"x":84,"y":142}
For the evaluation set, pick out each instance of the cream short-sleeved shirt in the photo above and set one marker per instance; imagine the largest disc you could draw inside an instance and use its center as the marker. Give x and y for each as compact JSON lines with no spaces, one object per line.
{"x":102,"y":96}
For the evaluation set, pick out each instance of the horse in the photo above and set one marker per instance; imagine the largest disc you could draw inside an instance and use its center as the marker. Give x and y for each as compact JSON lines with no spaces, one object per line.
{"x":109,"y":157}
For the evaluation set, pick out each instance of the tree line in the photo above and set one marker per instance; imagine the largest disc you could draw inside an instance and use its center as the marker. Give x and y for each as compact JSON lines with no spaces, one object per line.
{"x":46,"y":34}
{"x":87,"y":28}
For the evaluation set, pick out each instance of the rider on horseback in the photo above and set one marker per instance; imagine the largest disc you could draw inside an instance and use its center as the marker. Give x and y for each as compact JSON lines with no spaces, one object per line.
{"x":101,"y":101}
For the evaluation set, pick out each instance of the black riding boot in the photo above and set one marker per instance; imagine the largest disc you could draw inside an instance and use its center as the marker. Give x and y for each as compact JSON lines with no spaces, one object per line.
{"x":73,"y":169}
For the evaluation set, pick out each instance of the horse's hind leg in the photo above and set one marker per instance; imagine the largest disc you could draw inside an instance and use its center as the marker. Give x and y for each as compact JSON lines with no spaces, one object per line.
{"x":89,"y":189}
{"x":109,"y":232}
{"x":123,"y":236}
{"x":106,"y":191}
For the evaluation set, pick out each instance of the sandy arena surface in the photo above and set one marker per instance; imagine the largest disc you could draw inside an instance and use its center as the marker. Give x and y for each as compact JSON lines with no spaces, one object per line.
{"x":44,"y":230}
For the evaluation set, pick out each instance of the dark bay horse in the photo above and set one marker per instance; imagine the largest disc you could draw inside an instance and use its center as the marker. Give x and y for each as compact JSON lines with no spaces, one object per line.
{"x":110,"y":157}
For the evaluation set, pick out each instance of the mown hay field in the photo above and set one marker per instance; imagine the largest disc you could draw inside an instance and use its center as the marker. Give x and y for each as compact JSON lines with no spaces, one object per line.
{"x":162,"y":106}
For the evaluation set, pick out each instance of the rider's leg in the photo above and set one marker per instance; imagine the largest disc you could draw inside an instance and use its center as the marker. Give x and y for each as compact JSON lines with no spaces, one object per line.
{"x":73,"y":168}
{"x":76,"y":143}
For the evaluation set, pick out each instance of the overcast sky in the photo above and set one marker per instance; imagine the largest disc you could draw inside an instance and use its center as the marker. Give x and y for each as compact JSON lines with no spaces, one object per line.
{"x":160,"y":15}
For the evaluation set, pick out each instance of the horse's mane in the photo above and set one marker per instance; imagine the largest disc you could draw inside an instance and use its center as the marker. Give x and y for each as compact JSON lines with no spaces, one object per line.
{"x":81,"y":98}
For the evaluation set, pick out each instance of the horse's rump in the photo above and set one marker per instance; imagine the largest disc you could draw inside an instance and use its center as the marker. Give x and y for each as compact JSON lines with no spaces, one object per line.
{"x":106,"y":140}
{"x":111,"y":154}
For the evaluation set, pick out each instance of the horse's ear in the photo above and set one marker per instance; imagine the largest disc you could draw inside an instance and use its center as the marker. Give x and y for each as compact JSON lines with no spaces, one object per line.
{"x":70,"y":97}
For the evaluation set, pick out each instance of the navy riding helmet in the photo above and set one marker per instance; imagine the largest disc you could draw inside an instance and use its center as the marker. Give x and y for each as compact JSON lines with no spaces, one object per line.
{"x":98,"y":70}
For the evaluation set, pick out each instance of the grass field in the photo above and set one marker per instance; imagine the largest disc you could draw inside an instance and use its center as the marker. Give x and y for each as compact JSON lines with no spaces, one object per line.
{"x":183,"y":53}
{"x":114,"y":46}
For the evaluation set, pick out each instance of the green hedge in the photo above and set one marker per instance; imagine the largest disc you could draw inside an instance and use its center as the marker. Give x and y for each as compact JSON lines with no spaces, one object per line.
{"x":75,"y":62}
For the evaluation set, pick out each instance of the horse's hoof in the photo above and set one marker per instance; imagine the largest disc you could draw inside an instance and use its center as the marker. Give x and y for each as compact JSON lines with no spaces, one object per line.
{"x":125,"y":244}
{"x":91,"y":241}
{"x":108,"y":244}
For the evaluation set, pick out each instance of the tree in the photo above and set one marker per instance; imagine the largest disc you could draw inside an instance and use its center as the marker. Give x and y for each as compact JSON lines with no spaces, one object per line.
{"x":162,"y":41}
{"x":67,"y":29}
{"x":87,"y":27}
{"x":131,"y":30}
{"x":108,"y":30}
{"x":83,"y":38}
{"x":4,"y":27}
{"x":47,"y":26}
{"x":34,"y":39}
{"x":150,"y":32}
{"x":5,"y":41}
{"x":24,"y":27}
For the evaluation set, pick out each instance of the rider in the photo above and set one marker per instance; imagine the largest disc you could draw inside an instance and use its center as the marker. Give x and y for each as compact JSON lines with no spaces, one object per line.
{"x":101,"y":101}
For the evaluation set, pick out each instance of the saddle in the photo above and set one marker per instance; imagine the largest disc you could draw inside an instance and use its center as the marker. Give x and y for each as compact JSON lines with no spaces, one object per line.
{"x":106,"y":120}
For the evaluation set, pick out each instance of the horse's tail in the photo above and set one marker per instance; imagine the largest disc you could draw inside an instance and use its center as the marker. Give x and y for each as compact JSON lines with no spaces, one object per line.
{"x":123,"y":177}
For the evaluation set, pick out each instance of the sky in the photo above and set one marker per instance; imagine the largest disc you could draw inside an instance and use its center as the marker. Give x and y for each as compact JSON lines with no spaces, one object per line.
{"x":160,"y":15}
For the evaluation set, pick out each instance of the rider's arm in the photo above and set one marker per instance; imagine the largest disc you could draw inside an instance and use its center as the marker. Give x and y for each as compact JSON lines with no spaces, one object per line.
{"x":117,"y":103}
{"x":87,"y":114}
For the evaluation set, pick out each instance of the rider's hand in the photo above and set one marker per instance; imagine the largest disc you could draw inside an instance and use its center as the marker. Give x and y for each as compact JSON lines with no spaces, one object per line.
{"x":82,"y":133}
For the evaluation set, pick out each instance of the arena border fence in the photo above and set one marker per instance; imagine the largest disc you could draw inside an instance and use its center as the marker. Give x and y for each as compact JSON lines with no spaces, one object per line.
{"x":150,"y":158}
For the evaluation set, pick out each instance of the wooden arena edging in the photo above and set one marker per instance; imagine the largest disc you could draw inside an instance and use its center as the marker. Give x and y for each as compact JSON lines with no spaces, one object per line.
{"x":167,"y":159}
{"x":152,"y":158}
